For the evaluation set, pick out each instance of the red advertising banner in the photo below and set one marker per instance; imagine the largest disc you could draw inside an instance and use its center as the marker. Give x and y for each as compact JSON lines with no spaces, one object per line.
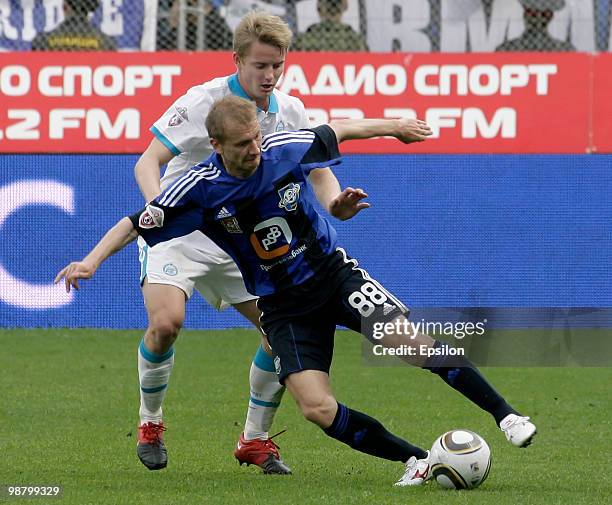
{"x":476,"y":103}
{"x":601,"y":111}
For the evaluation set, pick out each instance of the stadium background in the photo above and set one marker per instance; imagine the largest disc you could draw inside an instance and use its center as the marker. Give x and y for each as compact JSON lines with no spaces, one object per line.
{"x":527,"y":226}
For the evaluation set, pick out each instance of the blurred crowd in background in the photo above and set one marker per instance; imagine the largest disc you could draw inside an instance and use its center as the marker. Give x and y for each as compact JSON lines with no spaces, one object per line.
{"x":319,"y":25}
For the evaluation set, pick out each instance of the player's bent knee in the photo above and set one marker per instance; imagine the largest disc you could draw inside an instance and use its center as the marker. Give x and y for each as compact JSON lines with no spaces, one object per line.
{"x":319,"y":411}
{"x":165,"y":329}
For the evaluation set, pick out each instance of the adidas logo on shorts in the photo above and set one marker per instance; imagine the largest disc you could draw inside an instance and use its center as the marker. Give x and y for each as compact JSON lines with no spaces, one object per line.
{"x":387,"y":308}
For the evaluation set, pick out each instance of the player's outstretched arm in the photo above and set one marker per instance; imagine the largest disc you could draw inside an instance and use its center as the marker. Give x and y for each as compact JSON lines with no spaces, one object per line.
{"x":148,"y":166}
{"x":115,"y":239}
{"x":326,"y":187}
{"x":345,"y":204}
{"x":405,"y":130}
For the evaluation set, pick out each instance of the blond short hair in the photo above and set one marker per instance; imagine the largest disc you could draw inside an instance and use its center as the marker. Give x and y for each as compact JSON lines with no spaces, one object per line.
{"x":262,"y":27}
{"x":229,"y":109}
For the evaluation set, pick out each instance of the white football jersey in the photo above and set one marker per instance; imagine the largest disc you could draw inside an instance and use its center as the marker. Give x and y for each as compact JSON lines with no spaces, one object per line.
{"x":182,"y":127}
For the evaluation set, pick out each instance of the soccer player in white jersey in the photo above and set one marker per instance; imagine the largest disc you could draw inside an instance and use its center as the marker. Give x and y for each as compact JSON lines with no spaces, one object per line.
{"x":171,"y":271}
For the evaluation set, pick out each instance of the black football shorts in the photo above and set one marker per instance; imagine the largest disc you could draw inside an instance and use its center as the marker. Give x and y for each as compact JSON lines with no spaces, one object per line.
{"x":302,"y":334}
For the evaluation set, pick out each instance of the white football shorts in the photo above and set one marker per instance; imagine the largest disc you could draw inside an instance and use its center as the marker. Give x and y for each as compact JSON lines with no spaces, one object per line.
{"x":194,"y":261}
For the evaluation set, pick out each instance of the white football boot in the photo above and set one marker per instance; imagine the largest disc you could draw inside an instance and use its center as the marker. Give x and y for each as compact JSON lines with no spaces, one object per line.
{"x":417,"y":472}
{"x":519,"y":430}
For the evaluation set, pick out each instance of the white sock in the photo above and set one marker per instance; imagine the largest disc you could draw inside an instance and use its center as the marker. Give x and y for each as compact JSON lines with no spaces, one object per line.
{"x":153,"y":372}
{"x":266,"y":394}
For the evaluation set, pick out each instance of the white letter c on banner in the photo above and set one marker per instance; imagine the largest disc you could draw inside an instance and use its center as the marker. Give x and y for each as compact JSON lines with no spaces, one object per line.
{"x":17,"y":292}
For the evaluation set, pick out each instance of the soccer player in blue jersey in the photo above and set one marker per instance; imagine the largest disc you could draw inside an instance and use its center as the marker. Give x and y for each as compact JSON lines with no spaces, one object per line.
{"x":253,"y":199}
{"x":173,"y":271}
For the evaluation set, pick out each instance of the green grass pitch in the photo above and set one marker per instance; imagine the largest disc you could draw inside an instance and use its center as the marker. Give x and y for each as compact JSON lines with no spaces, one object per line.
{"x":68,"y":415}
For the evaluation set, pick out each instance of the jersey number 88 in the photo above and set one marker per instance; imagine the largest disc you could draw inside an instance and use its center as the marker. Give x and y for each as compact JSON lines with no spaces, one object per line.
{"x":366,"y":299}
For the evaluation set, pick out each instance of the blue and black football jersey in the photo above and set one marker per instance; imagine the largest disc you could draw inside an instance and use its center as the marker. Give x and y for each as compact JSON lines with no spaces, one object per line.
{"x":267,"y":222}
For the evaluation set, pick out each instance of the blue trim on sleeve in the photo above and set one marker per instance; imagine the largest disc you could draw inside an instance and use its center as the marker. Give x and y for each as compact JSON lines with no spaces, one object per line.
{"x":164,"y":140}
{"x":263,"y":361}
{"x":154,"y":358}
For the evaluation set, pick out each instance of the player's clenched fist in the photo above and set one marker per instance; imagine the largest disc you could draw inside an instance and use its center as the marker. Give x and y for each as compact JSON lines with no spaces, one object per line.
{"x":73,"y":272}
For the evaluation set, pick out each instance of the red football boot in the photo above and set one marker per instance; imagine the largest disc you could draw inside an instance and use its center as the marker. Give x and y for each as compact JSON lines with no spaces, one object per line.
{"x":260,"y":452}
{"x":151,"y":449}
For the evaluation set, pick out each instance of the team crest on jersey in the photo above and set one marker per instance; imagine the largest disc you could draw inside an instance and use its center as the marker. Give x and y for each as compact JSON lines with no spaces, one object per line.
{"x":179,"y":117}
{"x":289,"y":196}
{"x":229,"y":222}
{"x":151,"y":217}
{"x":231,"y":225}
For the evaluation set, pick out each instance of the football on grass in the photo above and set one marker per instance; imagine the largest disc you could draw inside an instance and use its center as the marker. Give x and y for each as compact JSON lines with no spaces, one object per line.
{"x":460,"y":459}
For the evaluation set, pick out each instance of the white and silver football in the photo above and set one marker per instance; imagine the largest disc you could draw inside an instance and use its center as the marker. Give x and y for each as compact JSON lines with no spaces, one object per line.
{"x":460,"y":459}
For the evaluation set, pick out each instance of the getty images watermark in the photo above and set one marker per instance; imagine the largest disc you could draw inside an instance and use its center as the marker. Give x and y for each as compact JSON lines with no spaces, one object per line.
{"x":491,"y":336}
{"x":405,"y":328}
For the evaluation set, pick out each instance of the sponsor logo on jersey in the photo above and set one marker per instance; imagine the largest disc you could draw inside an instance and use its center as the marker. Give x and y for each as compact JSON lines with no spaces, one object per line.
{"x":294,"y":253}
{"x":280,"y":127}
{"x":289,"y":196}
{"x":271,"y":238}
{"x":151,"y":217}
{"x":170,"y":269}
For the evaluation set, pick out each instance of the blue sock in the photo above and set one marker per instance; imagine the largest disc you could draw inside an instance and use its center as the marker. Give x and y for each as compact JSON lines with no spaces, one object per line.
{"x":365,"y":434}
{"x":462,"y":375}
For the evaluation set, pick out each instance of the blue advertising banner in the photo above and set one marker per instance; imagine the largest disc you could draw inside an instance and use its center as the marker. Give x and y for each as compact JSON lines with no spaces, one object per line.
{"x":443,"y":231}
